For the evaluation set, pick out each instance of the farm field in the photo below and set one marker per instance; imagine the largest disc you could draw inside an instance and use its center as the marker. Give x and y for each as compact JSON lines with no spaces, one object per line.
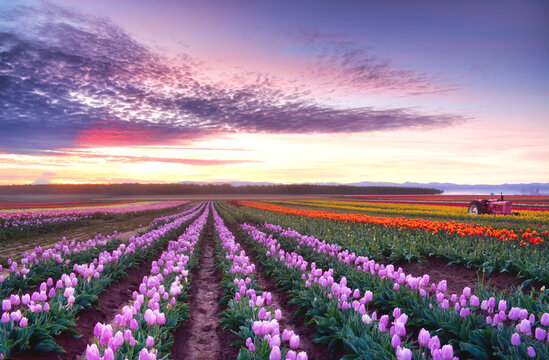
{"x":275,"y":279}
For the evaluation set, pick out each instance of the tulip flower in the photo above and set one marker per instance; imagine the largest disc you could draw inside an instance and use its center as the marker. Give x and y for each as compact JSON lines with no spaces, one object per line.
{"x":5,"y":318}
{"x":447,"y":352}
{"x":540,"y":334}
{"x":24,"y":322}
{"x":434,"y":343}
{"x":545,"y":319}
{"x":515,"y":339}
{"x":294,"y":341}
{"x":92,"y":352}
{"x":16,"y":315}
{"x":525,"y":327}
{"x":395,"y":341}
{"x":424,"y":337}
{"x":6,"y":305}
{"x":403,"y":354}
{"x":275,"y":353}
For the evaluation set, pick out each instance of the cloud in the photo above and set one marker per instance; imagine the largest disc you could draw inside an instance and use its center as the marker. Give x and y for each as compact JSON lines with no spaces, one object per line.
{"x":343,"y":63}
{"x":68,"y":80}
{"x":138,"y":159}
{"x":48,"y":174}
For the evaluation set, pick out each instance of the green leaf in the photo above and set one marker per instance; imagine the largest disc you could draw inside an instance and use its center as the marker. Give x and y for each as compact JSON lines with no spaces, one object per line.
{"x":49,"y":345}
{"x":527,"y":283}
{"x":475,"y":350}
{"x":244,"y":354}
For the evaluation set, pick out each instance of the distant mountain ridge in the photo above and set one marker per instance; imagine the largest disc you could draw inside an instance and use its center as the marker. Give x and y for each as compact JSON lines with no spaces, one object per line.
{"x":447,"y":188}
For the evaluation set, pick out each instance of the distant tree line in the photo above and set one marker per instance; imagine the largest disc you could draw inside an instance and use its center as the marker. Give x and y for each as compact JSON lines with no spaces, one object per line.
{"x":181,"y":189}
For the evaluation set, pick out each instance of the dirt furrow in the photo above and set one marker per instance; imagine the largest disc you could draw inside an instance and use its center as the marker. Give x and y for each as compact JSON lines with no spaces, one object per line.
{"x":202,"y":337}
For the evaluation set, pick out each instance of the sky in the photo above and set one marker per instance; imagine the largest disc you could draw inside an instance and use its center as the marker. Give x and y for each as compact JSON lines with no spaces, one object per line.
{"x":274,"y":91}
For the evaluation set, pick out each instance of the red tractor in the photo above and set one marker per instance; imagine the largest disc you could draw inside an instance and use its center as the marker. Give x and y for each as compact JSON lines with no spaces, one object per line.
{"x":492,"y":206}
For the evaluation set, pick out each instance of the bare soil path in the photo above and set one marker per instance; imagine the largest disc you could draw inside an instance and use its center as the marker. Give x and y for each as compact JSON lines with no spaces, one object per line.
{"x":202,"y":337}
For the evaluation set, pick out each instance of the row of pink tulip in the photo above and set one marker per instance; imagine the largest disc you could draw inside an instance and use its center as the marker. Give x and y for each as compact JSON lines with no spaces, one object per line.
{"x":465,"y":304}
{"x":348,"y":298}
{"x":65,"y":248}
{"x":15,"y":223}
{"x":141,"y":327}
{"x":50,"y":303}
{"x":266,"y":325}
{"x":16,"y":215}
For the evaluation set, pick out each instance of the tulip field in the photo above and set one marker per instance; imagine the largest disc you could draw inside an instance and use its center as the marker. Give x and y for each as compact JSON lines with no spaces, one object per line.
{"x":294,"y":279}
{"x":17,"y":220}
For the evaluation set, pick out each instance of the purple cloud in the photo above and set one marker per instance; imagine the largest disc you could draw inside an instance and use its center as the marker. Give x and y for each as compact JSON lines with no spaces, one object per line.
{"x":342,"y":63}
{"x":69,"y":80}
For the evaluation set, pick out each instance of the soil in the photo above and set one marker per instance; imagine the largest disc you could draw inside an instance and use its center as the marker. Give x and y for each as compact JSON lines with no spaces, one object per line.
{"x":202,"y":337}
{"x":127,"y":228}
{"x":110,"y":303}
{"x":280,"y":300}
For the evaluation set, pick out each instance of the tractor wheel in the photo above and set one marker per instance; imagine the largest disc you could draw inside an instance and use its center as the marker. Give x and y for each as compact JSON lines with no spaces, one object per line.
{"x":475,"y":208}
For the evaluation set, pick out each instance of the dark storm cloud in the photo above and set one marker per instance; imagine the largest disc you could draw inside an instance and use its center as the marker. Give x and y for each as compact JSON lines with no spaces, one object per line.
{"x":69,"y":80}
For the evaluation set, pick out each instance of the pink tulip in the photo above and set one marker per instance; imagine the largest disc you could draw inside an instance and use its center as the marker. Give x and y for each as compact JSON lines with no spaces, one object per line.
{"x":16,"y":315}
{"x":395,"y":341}
{"x":545,"y":319}
{"x":24,"y":322}
{"x":97,"y":329}
{"x":540,"y":334}
{"x":525,"y":327}
{"x":403,"y":354}
{"x":118,"y":339}
{"x":434,"y":343}
{"x":250,"y":344}
{"x":515,"y":339}
{"x":15,"y":300}
{"x":474,"y":301}
{"x":424,"y":337}
{"x":108,"y":354}
{"x":106,"y":334}
{"x":447,"y":352}
{"x":275,"y":353}
{"x":92,"y":352}
{"x":294,"y":341}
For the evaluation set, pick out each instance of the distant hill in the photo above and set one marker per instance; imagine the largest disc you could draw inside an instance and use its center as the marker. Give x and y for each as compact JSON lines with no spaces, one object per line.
{"x":450,"y":188}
